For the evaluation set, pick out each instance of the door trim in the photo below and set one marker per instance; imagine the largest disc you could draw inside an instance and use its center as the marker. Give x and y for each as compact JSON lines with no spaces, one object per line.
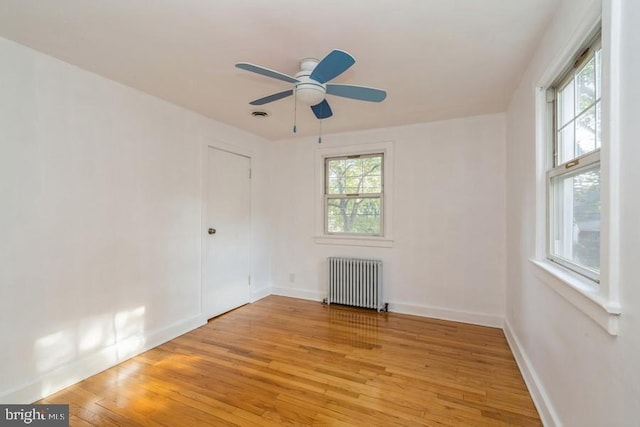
{"x":206,"y":143}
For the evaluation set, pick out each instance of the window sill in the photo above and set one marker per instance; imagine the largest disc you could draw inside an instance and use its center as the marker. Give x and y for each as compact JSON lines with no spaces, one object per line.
{"x":580,"y":292}
{"x":375,"y":242}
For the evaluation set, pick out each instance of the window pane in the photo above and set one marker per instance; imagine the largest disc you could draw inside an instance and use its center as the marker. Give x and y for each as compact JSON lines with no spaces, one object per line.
{"x":598,"y":73}
{"x":361,"y":175}
{"x":586,"y":86}
{"x":566,"y":144}
{"x":575,"y":218}
{"x":578,"y":129}
{"x":586,"y":132}
{"x":353,"y":215}
{"x":372,"y":184}
{"x":566,"y":112}
{"x":598,"y":124}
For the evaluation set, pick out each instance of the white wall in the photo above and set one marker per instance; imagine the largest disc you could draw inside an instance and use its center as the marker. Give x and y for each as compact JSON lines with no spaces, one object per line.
{"x":579,"y":374}
{"x":448,"y":255}
{"x":100,"y":194}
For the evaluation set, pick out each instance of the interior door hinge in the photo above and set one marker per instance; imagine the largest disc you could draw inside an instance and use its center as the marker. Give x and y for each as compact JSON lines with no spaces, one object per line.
{"x":249,"y":280}
{"x":249,"y":173}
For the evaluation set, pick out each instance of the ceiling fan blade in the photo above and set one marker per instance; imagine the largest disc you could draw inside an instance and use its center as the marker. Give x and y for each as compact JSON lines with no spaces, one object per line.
{"x":322,"y":110}
{"x":266,"y":72}
{"x":361,"y":93}
{"x":334,"y":64}
{"x":272,"y":98}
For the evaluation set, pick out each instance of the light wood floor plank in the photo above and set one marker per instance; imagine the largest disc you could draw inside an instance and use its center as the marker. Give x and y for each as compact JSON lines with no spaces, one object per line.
{"x":285,"y":361}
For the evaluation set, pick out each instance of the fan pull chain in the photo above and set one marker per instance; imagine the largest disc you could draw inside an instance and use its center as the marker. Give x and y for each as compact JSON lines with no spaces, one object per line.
{"x":320,"y":133}
{"x":295,"y":111}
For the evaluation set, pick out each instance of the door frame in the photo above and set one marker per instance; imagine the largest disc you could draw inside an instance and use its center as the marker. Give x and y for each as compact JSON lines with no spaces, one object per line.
{"x":206,"y":143}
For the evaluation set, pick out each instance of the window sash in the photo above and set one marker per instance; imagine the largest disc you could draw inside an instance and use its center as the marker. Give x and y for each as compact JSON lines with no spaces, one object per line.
{"x":346,"y":196}
{"x":569,"y":77}
{"x":568,"y":166}
{"x":566,"y":170}
{"x":377,"y":196}
{"x":582,"y":162}
{"x":327,"y":160}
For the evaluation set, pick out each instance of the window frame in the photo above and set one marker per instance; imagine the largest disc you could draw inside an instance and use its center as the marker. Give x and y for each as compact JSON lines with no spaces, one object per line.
{"x":348,"y":196}
{"x":355,"y":146}
{"x":557,"y":165}
{"x":600,"y":302}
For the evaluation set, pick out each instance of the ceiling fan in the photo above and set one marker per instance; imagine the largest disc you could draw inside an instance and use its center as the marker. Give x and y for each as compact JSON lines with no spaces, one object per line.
{"x":310,"y":85}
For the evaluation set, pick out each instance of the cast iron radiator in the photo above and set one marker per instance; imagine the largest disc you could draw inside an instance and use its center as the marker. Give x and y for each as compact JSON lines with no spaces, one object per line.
{"x":356,"y":282}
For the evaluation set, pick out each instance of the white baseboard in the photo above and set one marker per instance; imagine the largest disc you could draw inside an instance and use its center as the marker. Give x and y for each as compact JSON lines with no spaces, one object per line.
{"x":481,"y":319}
{"x":536,"y":390}
{"x":299,"y":293}
{"x":105,"y":358}
{"x":258,"y":294}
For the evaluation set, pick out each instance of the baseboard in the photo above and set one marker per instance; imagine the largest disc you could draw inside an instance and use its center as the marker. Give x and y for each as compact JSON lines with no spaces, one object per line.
{"x":258,"y":294}
{"x":416,"y":310}
{"x":482,"y":319}
{"x":536,"y":390}
{"x":106,"y":358}
{"x":299,"y":293}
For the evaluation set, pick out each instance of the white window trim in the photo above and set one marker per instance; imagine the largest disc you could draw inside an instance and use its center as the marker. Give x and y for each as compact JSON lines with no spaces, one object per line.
{"x":600,"y":301}
{"x":386,"y":239}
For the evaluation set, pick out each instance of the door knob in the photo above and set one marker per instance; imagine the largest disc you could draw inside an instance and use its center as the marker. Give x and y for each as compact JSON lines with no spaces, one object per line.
{"x":212,"y":231}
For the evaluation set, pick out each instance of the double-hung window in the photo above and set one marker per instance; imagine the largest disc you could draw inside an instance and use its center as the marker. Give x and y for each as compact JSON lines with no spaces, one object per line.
{"x":573,"y":177}
{"x":353,"y":195}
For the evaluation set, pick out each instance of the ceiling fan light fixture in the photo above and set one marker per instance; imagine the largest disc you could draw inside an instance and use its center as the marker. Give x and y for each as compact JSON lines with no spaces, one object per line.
{"x":310,"y":93}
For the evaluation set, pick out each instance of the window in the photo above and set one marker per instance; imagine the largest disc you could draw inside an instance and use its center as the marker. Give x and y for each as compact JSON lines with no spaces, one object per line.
{"x":573,"y":178}
{"x":353,"y":195}
{"x":577,"y":153}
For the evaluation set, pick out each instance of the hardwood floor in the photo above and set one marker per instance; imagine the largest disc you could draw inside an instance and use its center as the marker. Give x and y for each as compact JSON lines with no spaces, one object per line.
{"x":285,"y":361}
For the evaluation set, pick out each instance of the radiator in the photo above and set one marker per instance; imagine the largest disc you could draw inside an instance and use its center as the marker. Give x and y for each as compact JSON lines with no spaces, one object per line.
{"x":355,"y":282}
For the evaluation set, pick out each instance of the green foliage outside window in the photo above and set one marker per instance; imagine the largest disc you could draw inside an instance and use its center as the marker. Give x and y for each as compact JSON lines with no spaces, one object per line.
{"x":353,"y":194}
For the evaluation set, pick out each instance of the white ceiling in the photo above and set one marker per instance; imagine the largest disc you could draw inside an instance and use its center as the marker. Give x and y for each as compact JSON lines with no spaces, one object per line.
{"x":437,"y":59}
